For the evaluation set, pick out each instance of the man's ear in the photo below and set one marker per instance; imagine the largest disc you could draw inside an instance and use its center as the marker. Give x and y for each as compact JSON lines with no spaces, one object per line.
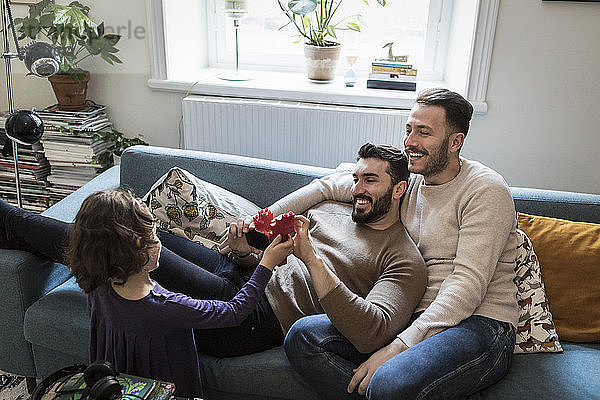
{"x":456,"y":142}
{"x":399,"y":189}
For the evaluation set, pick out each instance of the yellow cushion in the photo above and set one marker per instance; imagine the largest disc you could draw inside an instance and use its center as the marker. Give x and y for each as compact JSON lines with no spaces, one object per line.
{"x":569,"y":255}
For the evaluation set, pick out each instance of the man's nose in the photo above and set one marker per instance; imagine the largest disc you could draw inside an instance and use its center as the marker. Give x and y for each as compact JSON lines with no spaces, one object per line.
{"x":408,"y":139}
{"x":357,"y":188}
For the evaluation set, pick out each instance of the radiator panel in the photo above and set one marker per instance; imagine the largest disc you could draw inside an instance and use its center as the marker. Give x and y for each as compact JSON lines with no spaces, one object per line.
{"x":304,"y":133}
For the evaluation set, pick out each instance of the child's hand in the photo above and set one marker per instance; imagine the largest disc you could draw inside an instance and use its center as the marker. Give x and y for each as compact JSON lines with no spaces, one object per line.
{"x":303,"y":244}
{"x":276,"y":252}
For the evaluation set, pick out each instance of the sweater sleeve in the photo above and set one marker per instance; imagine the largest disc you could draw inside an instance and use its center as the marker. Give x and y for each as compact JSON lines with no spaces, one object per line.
{"x":186,"y":312}
{"x":371,"y":322}
{"x":335,"y":187}
{"x":486,"y":220}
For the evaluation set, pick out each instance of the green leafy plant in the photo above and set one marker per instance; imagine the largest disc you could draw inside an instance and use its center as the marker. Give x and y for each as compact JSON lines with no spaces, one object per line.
{"x":314,"y":20}
{"x":120,"y":143}
{"x":71,"y":31}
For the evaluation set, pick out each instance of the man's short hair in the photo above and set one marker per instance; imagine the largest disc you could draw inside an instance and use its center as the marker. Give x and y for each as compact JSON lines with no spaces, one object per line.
{"x":458,"y":109}
{"x":397,"y":160}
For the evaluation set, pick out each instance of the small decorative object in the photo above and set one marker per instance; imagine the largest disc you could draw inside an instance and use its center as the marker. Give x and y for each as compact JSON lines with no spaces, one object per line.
{"x":350,"y":75}
{"x":236,"y":10}
{"x":314,"y":21}
{"x":75,"y":38}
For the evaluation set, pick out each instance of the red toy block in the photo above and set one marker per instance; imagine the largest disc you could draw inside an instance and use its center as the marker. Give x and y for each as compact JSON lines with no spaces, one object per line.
{"x":283,"y":225}
{"x":262,"y":221}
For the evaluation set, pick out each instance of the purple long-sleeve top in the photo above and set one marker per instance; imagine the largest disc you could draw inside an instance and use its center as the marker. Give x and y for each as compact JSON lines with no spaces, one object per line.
{"x":153,"y":336}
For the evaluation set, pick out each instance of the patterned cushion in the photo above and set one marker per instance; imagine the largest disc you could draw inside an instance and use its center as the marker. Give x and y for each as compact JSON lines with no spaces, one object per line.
{"x":194,"y":209}
{"x":535,"y":331}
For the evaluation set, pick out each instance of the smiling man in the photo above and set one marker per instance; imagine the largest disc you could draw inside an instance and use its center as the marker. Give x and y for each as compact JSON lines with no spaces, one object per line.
{"x":461,"y":216}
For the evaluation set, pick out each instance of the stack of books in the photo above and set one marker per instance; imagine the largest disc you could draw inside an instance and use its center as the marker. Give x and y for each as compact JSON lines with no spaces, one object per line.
{"x":395,"y":74}
{"x":33,"y":172}
{"x":71,"y":148}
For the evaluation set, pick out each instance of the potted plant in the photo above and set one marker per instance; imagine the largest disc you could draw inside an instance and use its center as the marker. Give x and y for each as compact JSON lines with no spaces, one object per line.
{"x":316,"y":25}
{"x":112,"y":155}
{"x":76,"y":38}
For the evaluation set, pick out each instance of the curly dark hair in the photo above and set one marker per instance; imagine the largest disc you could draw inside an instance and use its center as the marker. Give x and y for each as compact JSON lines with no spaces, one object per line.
{"x":110,"y":238}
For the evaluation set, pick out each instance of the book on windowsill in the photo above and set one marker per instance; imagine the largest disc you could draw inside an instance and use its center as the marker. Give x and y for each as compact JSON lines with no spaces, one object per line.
{"x":388,"y":84}
{"x":392,"y":77}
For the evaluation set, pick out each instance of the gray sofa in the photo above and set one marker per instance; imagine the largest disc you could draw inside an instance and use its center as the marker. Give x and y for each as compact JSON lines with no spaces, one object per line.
{"x":44,"y":323}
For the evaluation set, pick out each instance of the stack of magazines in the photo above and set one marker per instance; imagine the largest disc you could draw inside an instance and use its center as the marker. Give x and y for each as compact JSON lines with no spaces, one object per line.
{"x":33,"y":173}
{"x":71,"y":148}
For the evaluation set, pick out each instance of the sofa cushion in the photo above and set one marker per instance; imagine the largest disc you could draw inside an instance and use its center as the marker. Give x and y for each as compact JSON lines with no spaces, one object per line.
{"x":194,"y":209}
{"x":573,"y":374}
{"x":60,"y":320}
{"x":535,"y":330}
{"x":569,"y":255}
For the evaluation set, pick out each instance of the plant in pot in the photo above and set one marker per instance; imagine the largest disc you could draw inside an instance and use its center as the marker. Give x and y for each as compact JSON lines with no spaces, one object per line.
{"x":112,"y":155}
{"x":76,"y":37}
{"x":314,"y":20}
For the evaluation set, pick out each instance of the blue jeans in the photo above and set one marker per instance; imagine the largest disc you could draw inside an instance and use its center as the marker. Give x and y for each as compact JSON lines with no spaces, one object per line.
{"x":450,"y":365}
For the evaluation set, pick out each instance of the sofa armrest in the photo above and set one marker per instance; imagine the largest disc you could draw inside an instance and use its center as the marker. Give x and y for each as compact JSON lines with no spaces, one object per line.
{"x":25,"y":278}
{"x":66,"y":209}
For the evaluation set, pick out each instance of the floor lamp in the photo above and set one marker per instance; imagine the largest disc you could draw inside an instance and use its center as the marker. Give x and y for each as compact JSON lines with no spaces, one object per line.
{"x":41,"y":59}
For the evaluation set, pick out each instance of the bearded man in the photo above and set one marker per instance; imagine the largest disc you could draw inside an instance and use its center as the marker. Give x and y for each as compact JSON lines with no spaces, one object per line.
{"x":461,"y":216}
{"x":353,"y":265}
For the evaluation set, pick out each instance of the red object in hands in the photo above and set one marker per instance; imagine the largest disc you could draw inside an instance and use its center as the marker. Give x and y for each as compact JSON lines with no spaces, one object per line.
{"x":262,"y":221}
{"x":283,"y":225}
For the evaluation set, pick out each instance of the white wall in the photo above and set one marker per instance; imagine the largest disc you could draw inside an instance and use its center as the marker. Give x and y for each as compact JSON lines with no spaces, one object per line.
{"x":543,"y":124}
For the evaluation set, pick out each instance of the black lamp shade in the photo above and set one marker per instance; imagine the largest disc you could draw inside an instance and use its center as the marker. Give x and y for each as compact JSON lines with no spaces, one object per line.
{"x":42,"y":59}
{"x":24,"y":127}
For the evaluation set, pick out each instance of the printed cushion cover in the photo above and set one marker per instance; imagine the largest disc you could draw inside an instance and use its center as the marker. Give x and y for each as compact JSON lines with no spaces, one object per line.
{"x":195,"y":209}
{"x":535,"y":331}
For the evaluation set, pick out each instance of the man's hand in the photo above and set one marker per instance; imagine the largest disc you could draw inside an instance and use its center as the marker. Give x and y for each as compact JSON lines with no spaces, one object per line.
{"x":236,"y":240}
{"x":303,"y":245}
{"x":362,"y":374}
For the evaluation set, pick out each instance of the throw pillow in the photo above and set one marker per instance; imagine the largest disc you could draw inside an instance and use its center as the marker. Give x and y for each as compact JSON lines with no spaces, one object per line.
{"x":535,"y":330}
{"x":195,"y":209}
{"x":569,"y":254}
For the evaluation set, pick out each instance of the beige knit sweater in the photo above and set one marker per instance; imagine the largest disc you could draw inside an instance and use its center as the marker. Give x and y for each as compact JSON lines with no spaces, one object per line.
{"x":381,"y":278}
{"x":465,"y":230}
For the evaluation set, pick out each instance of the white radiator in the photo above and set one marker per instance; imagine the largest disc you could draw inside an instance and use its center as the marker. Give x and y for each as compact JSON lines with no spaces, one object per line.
{"x":305,"y":133}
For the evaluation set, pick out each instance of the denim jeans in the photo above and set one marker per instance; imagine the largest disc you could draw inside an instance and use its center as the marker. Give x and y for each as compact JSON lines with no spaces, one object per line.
{"x":450,"y":365}
{"x":185,"y":267}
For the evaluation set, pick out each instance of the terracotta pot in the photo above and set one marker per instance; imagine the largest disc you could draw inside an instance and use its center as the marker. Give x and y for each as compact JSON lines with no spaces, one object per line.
{"x":321,"y":62}
{"x":70,"y":94}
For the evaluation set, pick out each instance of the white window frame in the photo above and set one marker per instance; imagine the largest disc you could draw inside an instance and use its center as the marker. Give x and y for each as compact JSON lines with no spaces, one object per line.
{"x":475,"y":85}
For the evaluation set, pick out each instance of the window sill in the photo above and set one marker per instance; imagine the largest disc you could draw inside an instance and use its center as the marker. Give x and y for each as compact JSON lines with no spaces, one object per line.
{"x":294,"y":86}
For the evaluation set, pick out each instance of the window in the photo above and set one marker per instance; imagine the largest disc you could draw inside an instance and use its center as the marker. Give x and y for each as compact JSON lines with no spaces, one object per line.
{"x":449,"y":41}
{"x":267,"y":42}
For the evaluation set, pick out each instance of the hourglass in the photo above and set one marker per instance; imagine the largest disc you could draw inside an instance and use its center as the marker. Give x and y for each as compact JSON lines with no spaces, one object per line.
{"x":236,"y":10}
{"x":350,"y":75}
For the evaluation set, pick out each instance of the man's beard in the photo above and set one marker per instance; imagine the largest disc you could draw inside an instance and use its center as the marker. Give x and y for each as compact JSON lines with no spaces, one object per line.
{"x":379,"y":208}
{"x":438,"y":160}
